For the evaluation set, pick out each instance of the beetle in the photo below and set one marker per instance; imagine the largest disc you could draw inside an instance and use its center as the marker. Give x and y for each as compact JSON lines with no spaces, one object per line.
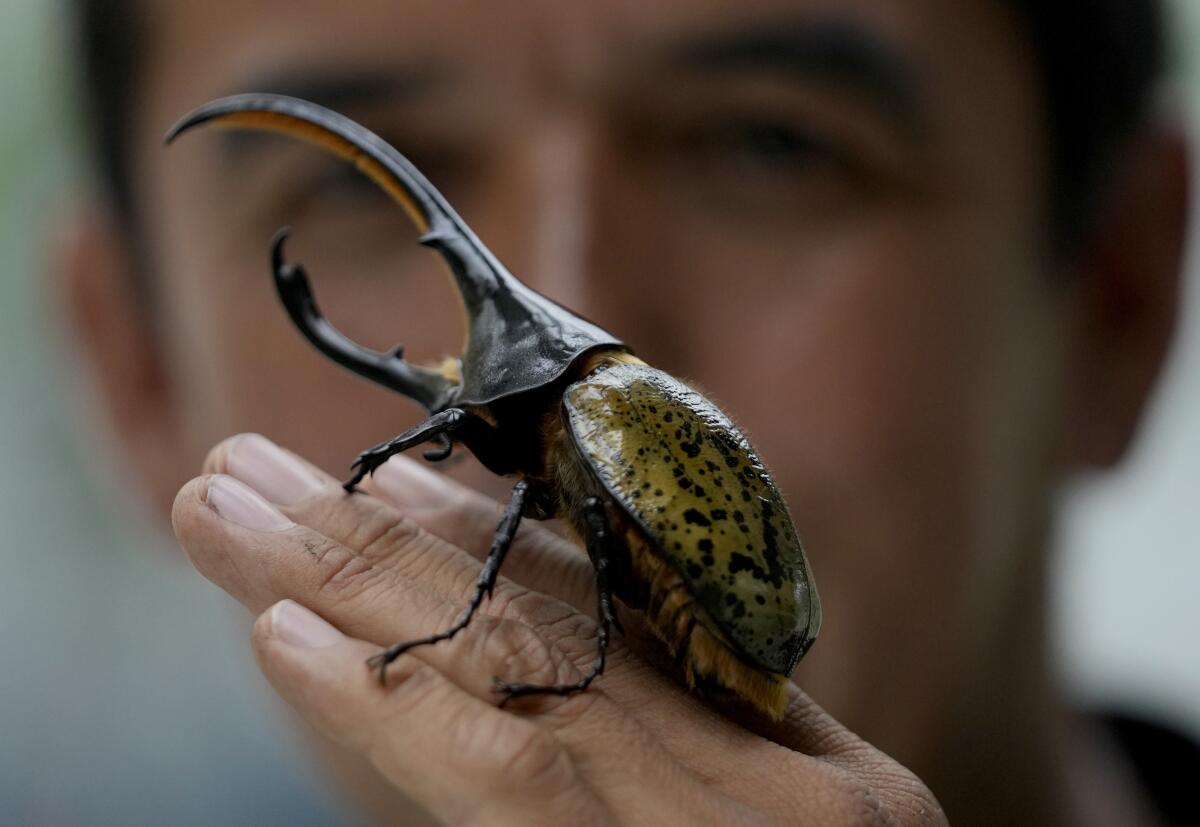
{"x":679,"y":517}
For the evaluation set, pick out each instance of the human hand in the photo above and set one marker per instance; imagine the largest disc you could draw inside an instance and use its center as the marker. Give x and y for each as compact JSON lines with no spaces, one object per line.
{"x":635,"y":748}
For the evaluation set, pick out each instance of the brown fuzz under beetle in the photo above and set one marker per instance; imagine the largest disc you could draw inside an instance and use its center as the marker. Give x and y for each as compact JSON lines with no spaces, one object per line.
{"x":679,"y":517}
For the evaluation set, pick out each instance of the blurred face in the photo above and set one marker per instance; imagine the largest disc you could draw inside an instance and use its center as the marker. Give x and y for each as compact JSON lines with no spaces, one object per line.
{"x":828,"y":214}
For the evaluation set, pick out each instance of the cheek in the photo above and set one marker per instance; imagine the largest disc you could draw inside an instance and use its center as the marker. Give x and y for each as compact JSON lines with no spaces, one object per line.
{"x":885,"y":388}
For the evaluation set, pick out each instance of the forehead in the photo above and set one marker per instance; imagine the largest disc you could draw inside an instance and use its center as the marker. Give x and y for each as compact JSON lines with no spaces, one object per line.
{"x":201,"y":49}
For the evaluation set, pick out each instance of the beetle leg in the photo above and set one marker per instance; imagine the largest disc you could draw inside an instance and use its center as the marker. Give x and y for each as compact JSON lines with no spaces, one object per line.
{"x":483,"y":586}
{"x":443,"y":451}
{"x":599,"y":543}
{"x":437,"y":426}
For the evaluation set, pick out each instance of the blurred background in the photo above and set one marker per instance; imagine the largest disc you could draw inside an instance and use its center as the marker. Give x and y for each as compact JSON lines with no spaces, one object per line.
{"x":127,"y":693}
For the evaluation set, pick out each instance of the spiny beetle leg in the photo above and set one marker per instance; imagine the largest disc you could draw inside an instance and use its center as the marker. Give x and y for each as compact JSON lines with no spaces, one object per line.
{"x":437,"y":426}
{"x":599,"y":543}
{"x":484,"y":585}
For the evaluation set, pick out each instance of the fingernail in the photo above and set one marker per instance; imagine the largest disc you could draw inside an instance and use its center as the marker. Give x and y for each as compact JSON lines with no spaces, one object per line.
{"x":406,"y":482}
{"x":296,"y":625}
{"x":270,"y":470}
{"x":242,"y":505}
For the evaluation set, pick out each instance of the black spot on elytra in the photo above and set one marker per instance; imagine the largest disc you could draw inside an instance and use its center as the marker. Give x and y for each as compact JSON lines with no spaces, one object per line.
{"x":685,"y":483}
{"x":731,"y":461}
{"x":719,"y":514}
{"x":745,"y":495}
{"x":694,"y":571}
{"x":739,"y":517}
{"x":696,"y":518}
{"x":705,"y":545}
{"x":668,"y":417}
{"x":700,"y":492}
{"x":760,"y":600}
{"x":708,"y":560}
{"x":740,"y":562}
{"x":658,"y":492}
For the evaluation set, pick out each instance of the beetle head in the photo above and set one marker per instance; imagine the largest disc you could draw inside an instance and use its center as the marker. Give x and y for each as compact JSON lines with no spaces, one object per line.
{"x":517,"y":339}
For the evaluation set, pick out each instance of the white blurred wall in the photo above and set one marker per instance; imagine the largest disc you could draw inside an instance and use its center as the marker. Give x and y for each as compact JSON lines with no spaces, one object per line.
{"x":1128,"y":579}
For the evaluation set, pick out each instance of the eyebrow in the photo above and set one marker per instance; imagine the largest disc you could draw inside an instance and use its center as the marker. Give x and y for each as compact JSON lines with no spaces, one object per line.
{"x":835,"y":51}
{"x":340,"y":90}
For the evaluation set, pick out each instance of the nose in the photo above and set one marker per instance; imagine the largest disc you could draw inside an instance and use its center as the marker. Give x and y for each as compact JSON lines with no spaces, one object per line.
{"x":560,"y":211}
{"x":564,"y":213}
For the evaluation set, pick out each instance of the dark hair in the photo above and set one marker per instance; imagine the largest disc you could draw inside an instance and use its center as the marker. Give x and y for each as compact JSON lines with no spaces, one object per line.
{"x":1099,"y":64}
{"x":109,"y":46}
{"x":1098,"y":67}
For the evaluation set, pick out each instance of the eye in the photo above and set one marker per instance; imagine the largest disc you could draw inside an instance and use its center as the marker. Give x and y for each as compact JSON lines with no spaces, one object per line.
{"x":340,"y":186}
{"x":754,"y":147}
{"x":754,"y":165}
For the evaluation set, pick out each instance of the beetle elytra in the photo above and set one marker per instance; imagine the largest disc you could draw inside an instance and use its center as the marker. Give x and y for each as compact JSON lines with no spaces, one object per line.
{"x":679,"y":517}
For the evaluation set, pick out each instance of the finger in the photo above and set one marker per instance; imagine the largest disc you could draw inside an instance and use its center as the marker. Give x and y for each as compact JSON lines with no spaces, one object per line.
{"x":251,"y":549}
{"x":809,"y":730}
{"x":407,"y":496}
{"x":367,"y":526}
{"x":462,"y":759}
{"x":540,"y":559}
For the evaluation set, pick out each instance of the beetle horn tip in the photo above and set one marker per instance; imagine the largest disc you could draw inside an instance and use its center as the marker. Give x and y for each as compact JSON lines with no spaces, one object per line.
{"x":182,"y":125}
{"x":277,"y":242}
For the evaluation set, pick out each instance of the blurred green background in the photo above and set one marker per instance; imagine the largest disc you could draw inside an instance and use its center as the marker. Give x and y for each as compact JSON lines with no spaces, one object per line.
{"x":127,"y":694}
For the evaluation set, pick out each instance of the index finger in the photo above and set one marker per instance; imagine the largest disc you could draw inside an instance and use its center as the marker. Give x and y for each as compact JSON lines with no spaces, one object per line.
{"x":404,"y":491}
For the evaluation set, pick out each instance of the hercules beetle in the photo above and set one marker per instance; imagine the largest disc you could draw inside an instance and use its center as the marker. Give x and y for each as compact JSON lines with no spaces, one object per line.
{"x":679,"y":516}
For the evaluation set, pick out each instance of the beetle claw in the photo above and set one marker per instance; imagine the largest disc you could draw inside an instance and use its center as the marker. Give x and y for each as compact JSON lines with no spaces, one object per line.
{"x":380,"y":662}
{"x":442,"y":451}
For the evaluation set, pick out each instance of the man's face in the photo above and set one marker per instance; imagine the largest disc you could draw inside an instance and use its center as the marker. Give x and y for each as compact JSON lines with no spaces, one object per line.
{"x":828,"y":214}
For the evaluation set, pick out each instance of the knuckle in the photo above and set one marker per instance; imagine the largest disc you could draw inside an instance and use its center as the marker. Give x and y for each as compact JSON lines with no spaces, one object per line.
{"x":341,"y":574}
{"x":390,"y":539}
{"x":521,"y":755}
{"x":398,"y":544}
{"x":411,"y":684}
{"x":869,"y":803}
{"x":519,"y":652}
{"x":540,"y":763}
